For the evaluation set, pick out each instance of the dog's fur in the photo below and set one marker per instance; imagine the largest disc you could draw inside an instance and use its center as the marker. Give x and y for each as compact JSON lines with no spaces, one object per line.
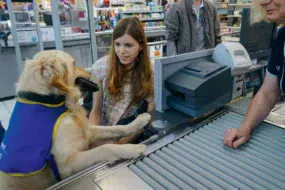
{"x":54,"y":72}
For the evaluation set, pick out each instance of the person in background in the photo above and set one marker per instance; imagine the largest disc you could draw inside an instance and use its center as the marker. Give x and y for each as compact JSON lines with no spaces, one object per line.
{"x":41,"y":8}
{"x":41,"y":16}
{"x":192,"y":25}
{"x":274,"y":83}
{"x":4,"y":33}
{"x":125,"y":77}
{"x":1,"y":10}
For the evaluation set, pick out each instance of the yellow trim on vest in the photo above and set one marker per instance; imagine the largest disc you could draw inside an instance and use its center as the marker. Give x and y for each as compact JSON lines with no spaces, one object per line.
{"x":24,"y":175}
{"x":56,"y":126}
{"x":44,"y":104}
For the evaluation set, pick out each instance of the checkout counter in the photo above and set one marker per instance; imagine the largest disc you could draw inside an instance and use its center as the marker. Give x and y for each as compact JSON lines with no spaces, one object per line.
{"x":185,"y":149}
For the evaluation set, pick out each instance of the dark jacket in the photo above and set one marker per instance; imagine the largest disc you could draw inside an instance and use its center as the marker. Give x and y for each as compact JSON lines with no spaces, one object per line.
{"x":181,"y":31}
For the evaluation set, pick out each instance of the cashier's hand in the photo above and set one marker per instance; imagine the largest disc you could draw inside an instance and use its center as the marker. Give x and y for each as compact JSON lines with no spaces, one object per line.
{"x":235,"y":137}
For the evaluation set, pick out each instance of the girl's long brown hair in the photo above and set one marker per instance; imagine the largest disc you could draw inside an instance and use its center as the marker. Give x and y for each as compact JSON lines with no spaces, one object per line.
{"x":142,"y":75}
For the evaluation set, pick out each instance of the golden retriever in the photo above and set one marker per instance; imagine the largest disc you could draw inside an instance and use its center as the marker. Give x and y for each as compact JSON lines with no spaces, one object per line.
{"x":54,"y":72}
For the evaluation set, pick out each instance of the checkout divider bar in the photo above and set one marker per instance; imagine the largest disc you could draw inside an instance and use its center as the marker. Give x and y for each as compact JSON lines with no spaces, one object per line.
{"x":91,"y":23}
{"x":40,"y":40}
{"x":56,"y":25}
{"x":163,"y":42}
{"x":15,"y":38}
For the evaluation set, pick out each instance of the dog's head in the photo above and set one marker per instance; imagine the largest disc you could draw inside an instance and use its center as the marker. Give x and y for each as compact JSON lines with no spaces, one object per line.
{"x":52,"y":72}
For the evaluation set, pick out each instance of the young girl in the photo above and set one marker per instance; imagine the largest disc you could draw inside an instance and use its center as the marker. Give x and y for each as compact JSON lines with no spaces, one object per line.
{"x":125,"y":77}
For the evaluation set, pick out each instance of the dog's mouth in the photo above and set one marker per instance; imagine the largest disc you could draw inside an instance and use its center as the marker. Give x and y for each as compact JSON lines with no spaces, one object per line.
{"x":86,"y":85}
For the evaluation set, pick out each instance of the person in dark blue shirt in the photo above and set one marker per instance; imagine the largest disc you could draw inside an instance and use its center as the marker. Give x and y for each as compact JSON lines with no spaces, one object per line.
{"x":274,"y":84}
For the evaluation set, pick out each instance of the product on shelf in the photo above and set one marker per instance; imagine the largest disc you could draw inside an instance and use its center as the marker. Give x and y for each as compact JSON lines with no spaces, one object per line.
{"x":151,"y":15}
{"x":106,"y":19}
{"x":229,"y":12}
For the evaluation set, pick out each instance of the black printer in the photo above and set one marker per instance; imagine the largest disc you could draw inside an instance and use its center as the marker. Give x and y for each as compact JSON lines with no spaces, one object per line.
{"x":199,"y":88}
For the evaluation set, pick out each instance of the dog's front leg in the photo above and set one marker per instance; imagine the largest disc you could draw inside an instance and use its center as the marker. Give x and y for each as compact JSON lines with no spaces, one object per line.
{"x":111,"y":132}
{"x":108,"y":152}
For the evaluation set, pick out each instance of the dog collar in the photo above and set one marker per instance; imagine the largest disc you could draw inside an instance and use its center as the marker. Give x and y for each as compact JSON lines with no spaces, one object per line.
{"x":51,"y":99}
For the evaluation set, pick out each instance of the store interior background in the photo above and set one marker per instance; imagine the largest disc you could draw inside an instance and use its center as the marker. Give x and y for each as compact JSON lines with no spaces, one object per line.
{"x":75,"y":33}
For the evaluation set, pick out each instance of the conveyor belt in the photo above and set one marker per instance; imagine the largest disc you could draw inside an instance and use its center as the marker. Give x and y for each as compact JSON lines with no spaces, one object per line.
{"x":241,"y":106}
{"x":200,"y":160}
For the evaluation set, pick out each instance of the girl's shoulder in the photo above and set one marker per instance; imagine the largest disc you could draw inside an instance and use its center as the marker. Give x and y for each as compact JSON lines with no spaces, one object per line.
{"x":102,"y":62}
{"x":100,"y":67}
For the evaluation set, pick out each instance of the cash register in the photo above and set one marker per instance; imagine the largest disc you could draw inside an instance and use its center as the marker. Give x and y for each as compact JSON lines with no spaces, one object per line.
{"x":194,"y":85}
{"x":23,"y":19}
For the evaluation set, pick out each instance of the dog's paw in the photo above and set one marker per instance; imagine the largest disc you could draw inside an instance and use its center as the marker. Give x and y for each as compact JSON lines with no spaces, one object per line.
{"x":132,"y":151}
{"x":141,"y":121}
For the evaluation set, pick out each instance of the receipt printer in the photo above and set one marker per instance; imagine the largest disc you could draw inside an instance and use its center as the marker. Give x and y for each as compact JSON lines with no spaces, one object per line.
{"x":199,"y":88}
{"x":233,"y":55}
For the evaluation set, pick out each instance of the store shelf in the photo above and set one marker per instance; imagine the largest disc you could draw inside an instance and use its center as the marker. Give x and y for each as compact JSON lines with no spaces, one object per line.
{"x":154,"y":27}
{"x":147,"y":29}
{"x":151,"y":19}
{"x":131,"y":12}
{"x":235,"y":16}
{"x":227,"y":15}
{"x":105,"y":8}
{"x":241,"y":4}
{"x":118,"y":4}
{"x":228,"y":33}
{"x":222,"y":11}
{"x":233,"y":27}
{"x":230,"y":39}
{"x":136,"y":2}
{"x":222,"y":6}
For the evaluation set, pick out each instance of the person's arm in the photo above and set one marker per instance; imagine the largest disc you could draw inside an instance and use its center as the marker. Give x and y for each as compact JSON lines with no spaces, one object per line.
{"x":260,"y":107}
{"x":171,"y":48}
{"x":96,"y":112}
{"x":218,"y":38}
{"x":172,"y":26}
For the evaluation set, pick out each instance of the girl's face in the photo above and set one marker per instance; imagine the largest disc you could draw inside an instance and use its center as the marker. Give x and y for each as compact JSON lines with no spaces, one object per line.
{"x":275,"y":10}
{"x":127,"y":49}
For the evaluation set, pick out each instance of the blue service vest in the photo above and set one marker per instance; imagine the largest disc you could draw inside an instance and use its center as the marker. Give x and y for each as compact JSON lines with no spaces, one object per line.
{"x":26,"y":146}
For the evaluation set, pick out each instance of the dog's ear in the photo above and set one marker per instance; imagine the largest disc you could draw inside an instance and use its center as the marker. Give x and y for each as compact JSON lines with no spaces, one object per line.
{"x":56,"y":74}
{"x":59,"y":83}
